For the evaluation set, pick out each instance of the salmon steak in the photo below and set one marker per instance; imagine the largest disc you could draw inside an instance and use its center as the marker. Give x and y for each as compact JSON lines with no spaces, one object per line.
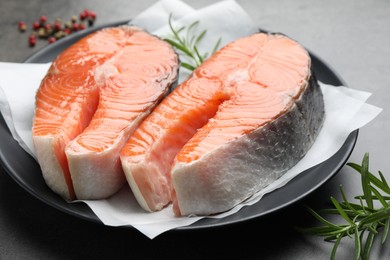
{"x":244,"y":117}
{"x":93,"y":97}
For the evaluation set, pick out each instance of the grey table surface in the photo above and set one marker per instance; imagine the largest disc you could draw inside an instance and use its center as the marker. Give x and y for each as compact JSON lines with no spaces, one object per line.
{"x":352,"y":36}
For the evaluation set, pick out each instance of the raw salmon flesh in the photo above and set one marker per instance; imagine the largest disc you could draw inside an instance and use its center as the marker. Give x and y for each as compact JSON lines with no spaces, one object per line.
{"x":242,"y":119}
{"x":92,"y":99}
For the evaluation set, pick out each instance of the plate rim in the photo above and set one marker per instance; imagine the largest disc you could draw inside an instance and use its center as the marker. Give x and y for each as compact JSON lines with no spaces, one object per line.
{"x":348,"y":146}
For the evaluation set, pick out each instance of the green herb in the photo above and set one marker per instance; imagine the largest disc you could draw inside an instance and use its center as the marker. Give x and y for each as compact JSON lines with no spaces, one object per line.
{"x":362,"y":221}
{"x":187,"y":44}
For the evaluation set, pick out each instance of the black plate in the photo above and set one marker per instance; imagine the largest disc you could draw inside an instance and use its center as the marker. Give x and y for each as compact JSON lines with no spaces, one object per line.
{"x":28,"y":173}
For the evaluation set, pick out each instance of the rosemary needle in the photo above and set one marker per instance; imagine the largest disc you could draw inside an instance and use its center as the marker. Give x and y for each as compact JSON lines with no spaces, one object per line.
{"x":362,"y":220}
{"x":187,"y":44}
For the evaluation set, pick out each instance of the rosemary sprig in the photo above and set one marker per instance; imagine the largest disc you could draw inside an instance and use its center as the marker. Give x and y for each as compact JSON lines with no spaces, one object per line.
{"x":187,"y":44}
{"x":362,"y":220}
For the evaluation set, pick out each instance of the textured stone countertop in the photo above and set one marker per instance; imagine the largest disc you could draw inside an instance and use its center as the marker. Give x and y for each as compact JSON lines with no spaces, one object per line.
{"x":351,"y":36}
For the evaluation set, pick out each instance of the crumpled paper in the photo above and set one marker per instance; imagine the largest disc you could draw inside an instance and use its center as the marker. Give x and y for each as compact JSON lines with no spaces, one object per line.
{"x":346,"y":110}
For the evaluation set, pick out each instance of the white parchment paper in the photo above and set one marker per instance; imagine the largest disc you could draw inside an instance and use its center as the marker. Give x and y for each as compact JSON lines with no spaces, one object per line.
{"x":346,"y":110}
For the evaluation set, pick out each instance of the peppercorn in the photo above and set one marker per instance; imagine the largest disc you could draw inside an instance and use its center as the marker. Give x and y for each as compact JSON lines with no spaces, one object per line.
{"x":75,"y":27}
{"x":43,"y":19}
{"x":82,"y":26}
{"x":67,"y":31}
{"x":84,"y":14}
{"x":36,"y":25}
{"x":42,"y":29}
{"x":58,"y":35}
{"x":68,"y":25}
{"x":48,"y":28}
{"x":22,"y":26}
{"x":90,"y":21}
{"x":32,"y":40}
{"x":57,"y":26}
{"x":91,"y":18}
{"x":74,"y":19}
{"x":51,"y":39}
{"x":92,"y":15}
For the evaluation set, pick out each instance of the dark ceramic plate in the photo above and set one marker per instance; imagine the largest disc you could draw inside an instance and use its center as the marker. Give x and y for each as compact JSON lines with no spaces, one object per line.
{"x":26,"y":172}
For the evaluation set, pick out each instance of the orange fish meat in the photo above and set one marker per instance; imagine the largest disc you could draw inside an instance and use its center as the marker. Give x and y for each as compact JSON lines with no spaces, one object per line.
{"x":93,"y":97}
{"x":243,"y":118}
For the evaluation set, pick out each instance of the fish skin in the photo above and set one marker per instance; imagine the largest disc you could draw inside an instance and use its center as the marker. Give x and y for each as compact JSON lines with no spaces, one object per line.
{"x":267,"y":114}
{"x":312,"y":107}
{"x":235,"y":171}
